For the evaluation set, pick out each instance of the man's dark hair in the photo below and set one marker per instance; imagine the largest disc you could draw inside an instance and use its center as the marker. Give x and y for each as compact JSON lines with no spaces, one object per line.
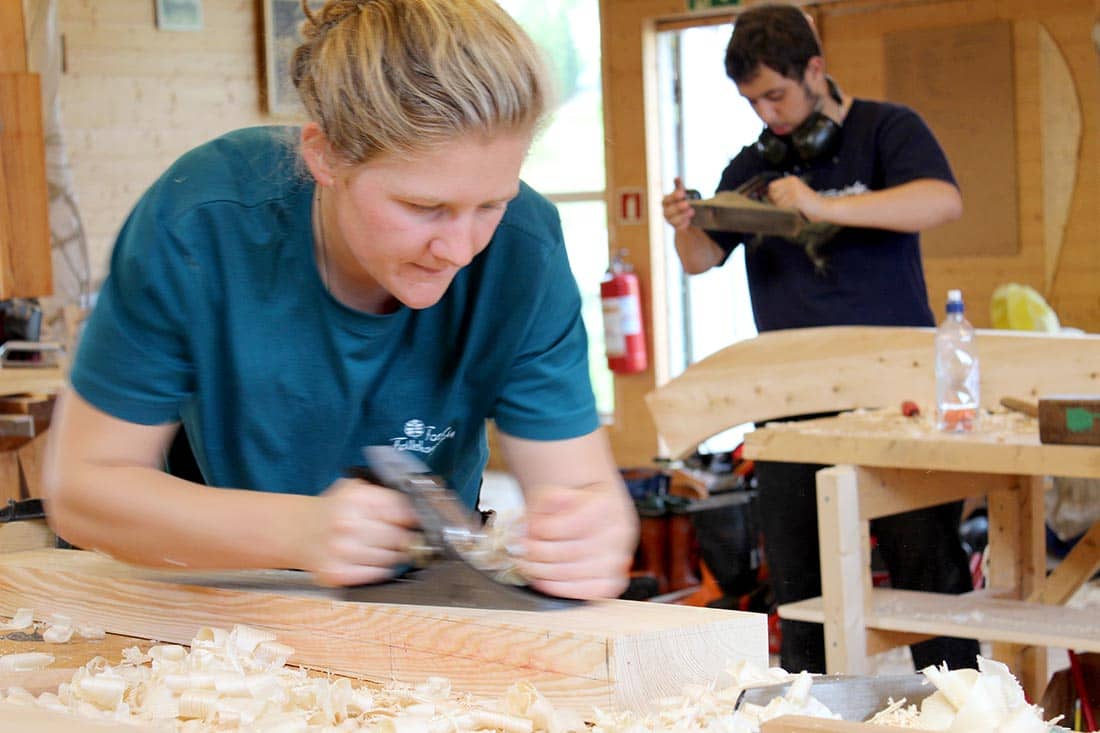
{"x":777,"y":36}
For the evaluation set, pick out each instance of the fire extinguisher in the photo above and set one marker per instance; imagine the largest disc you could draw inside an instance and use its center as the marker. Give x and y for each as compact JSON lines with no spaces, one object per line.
{"x":622,"y":318}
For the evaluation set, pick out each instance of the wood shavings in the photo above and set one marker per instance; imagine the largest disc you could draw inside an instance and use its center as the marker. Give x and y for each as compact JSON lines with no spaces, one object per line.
{"x":238,"y":680}
{"x":25,"y":662}
{"x":23,"y":619}
{"x":986,"y":700}
{"x":58,"y":629}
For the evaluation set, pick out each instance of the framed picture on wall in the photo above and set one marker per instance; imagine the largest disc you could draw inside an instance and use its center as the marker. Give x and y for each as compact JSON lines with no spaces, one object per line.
{"x":179,"y":15}
{"x":282,"y":22}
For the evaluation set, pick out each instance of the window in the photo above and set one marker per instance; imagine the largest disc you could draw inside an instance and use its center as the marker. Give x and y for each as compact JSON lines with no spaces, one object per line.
{"x":704,"y":123}
{"x":566,"y":163}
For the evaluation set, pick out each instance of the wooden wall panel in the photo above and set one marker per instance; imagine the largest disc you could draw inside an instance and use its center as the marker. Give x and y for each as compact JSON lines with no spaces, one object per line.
{"x":932,"y":69}
{"x":854,"y":34}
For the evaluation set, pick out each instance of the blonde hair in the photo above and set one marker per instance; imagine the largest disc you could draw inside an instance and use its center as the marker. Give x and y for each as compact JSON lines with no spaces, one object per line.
{"x":401,"y":76}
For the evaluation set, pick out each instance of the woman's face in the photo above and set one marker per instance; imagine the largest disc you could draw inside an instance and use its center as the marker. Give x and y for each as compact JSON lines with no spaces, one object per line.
{"x":406,"y":226}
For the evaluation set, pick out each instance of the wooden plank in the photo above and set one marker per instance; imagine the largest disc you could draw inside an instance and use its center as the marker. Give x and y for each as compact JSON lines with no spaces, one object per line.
{"x":972,"y":615}
{"x":806,"y":724}
{"x":40,"y":720}
{"x":886,"y":491}
{"x":845,"y":563}
{"x":1017,"y":563}
{"x":68,"y":658}
{"x":600,"y":654}
{"x":802,"y":371}
{"x":889,"y":440}
{"x":13,"y":46}
{"x":28,"y":534}
{"x":1076,"y":568}
{"x":32,"y":458}
{"x":23,"y":156}
{"x":9,"y":476}
{"x":48,"y":380}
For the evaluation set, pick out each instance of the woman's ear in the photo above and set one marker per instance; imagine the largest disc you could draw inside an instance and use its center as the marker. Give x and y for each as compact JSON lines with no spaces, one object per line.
{"x":317,"y":154}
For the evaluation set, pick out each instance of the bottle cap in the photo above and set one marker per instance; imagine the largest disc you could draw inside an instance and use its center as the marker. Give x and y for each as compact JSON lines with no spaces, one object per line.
{"x":954,"y":296}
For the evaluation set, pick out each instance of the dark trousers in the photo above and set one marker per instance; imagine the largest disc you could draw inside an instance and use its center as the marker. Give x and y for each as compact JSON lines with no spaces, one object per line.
{"x":921,"y":550}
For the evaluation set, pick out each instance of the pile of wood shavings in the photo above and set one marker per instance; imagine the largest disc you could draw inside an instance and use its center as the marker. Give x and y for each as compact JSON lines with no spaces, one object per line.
{"x":59,"y":629}
{"x":986,"y":700}
{"x":711,"y":708}
{"x":238,"y":681}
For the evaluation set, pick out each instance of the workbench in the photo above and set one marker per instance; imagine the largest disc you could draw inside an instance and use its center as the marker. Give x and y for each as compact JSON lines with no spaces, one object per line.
{"x":888,"y":464}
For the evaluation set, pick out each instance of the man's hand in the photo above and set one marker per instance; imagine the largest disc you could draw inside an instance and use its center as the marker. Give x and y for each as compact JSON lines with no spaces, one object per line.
{"x":676,"y":208}
{"x":792,"y":192}
{"x":580,"y":541}
{"x":358,"y":533}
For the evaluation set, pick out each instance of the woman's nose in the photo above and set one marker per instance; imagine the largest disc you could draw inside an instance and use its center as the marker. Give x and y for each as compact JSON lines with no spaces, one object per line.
{"x":457,"y":242}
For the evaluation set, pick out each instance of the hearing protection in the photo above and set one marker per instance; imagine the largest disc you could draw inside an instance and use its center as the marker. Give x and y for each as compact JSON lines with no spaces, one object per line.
{"x":817,"y":138}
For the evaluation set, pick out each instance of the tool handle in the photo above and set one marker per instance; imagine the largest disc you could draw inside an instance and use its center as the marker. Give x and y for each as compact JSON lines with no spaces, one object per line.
{"x":1027,"y":408}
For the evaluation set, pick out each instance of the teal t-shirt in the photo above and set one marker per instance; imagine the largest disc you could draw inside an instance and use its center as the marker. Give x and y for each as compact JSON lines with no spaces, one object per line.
{"x":214,"y":314}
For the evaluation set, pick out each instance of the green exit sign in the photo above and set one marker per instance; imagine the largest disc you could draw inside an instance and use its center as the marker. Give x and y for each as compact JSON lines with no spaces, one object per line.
{"x":702,"y":4}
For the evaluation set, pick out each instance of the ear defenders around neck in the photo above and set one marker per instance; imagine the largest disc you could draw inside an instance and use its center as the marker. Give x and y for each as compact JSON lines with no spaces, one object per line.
{"x":815,"y":139}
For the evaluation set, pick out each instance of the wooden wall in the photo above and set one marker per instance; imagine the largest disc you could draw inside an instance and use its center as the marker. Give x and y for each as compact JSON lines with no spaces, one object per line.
{"x":134,"y":98}
{"x":853,"y":32}
{"x":854,"y":36}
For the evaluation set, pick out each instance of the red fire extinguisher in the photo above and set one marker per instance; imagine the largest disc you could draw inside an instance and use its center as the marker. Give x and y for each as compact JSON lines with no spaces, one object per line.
{"x":622,"y":318}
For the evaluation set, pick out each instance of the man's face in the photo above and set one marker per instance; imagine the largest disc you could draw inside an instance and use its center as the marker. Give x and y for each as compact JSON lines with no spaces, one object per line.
{"x":781,"y":102}
{"x":411,"y":224}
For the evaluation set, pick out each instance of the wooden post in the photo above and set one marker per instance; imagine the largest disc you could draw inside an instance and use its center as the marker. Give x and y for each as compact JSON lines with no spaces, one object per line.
{"x":845,"y":569}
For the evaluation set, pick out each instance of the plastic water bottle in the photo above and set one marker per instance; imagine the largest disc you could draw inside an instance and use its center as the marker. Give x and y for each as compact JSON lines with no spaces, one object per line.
{"x":957,"y":373}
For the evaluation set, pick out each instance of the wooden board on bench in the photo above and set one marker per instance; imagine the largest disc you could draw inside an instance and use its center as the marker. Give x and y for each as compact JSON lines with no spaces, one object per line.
{"x":617,"y":655}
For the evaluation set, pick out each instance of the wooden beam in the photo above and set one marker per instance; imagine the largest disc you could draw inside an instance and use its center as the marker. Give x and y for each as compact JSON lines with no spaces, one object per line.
{"x":13,"y":44}
{"x":41,"y":720}
{"x":1076,"y":568}
{"x":27,"y":534}
{"x":28,"y":271}
{"x":976,"y":615}
{"x":617,"y":655}
{"x":45,"y":380}
{"x":809,"y":370}
{"x":806,"y":724}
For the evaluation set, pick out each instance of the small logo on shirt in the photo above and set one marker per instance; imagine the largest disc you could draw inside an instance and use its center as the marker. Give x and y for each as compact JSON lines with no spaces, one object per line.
{"x":420,"y":437}
{"x":854,"y":189}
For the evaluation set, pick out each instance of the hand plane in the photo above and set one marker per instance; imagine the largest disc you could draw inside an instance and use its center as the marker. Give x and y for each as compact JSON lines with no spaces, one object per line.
{"x":455,"y":564}
{"x":747,"y":210}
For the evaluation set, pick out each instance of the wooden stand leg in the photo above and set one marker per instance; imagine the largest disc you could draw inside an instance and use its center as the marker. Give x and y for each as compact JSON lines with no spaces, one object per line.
{"x":845,"y":569}
{"x":1017,"y":562}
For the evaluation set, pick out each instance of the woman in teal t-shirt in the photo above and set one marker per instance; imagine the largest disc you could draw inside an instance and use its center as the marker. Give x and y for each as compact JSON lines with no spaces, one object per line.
{"x":384,"y":279}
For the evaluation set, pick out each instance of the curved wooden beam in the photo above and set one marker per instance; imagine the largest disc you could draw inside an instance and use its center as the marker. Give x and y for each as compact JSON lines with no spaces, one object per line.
{"x":1060,"y":138}
{"x":802,"y":371}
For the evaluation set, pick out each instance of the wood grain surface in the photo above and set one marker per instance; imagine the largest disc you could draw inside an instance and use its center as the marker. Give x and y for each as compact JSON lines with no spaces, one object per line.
{"x":68,"y":657}
{"x":611,"y":654}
